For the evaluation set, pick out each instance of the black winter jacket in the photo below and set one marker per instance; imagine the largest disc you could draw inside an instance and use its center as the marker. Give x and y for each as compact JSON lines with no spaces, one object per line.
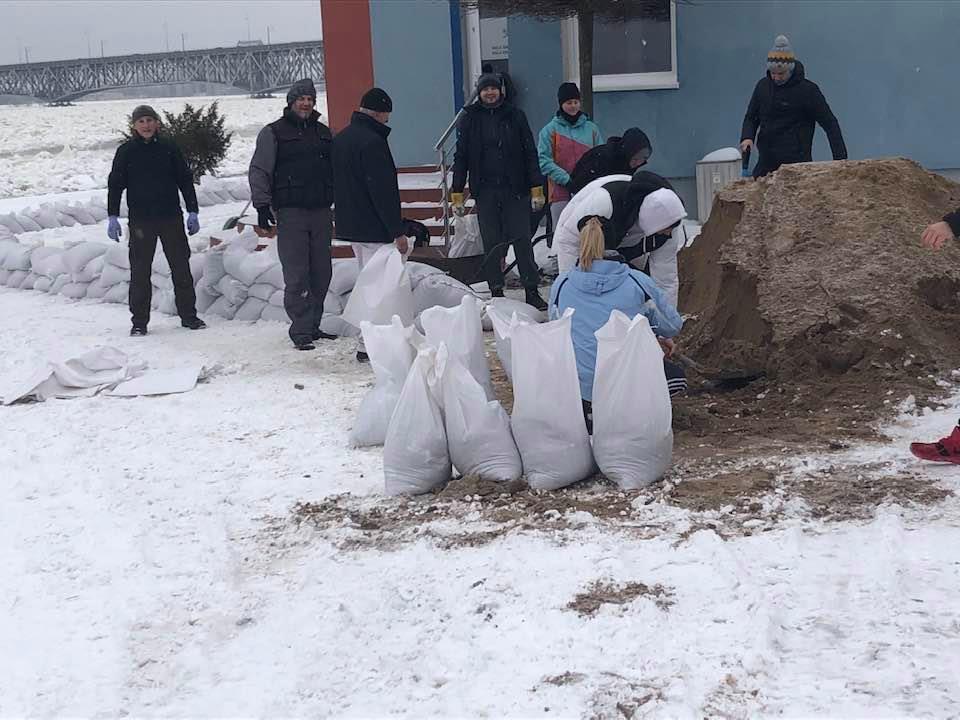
{"x":603,"y":160}
{"x":785,"y":115}
{"x":495,"y":148}
{"x":365,"y":183}
{"x":153,"y":173}
{"x":953,"y":220}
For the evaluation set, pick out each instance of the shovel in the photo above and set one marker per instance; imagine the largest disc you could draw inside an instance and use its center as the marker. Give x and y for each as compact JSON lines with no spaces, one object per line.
{"x":231,"y":222}
{"x":718,"y":380}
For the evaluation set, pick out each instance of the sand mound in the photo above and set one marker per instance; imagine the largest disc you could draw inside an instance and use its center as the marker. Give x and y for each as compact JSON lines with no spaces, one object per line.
{"x":816,"y":272}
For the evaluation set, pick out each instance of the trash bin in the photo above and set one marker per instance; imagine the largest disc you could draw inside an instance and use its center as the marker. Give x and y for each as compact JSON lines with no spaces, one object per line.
{"x":714,"y":172}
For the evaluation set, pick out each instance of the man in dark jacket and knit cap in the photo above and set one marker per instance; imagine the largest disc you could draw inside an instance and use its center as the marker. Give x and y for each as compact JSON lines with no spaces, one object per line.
{"x":291,"y":172}
{"x":495,"y":148}
{"x":618,"y":156}
{"x":783,"y":110}
{"x":152,"y":171}
{"x":367,"y":191}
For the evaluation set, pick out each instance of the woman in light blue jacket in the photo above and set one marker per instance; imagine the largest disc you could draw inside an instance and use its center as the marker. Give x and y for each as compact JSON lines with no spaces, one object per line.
{"x":594,"y":288}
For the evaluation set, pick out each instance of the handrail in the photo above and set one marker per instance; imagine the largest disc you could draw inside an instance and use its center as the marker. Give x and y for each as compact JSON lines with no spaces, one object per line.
{"x":453,"y":124}
{"x":443,"y":168}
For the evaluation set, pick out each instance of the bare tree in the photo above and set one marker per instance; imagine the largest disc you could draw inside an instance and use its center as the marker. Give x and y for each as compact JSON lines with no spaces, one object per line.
{"x":586,"y":11}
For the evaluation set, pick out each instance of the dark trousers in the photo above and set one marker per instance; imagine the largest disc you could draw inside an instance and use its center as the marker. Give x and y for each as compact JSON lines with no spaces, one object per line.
{"x":303,"y":239}
{"x":143,"y":245}
{"x":505,"y":220}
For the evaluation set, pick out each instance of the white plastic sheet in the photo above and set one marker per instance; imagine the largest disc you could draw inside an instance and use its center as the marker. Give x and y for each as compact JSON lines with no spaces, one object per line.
{"x":478,"y":431}
{"x":391,"y":350}
{"x":382,"y":291}
{"x":415,"y":456}
{"x":548,"y":422}
{"x":632,"y":414}
{"x":466,"y":238}
{"x":459,"y":328}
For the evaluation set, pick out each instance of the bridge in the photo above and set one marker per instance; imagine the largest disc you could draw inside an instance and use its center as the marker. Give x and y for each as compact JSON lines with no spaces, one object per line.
{"x":253,"y":68}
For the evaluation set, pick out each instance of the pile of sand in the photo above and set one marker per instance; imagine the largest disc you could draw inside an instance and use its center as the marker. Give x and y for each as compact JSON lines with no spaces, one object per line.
{"x":816,"y":273}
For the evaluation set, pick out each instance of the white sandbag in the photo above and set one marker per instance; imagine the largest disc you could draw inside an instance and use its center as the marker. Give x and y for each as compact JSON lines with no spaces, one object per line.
{"x":478,"y":430}
{"x":222,"y":307}
{"x":332,"y":305}
{"x":252,"y":267}
{"x":502,"y":324}
{"x":276,"y":299}
{"x":111,"y":275}
{"x":161,"y":282}
{"x":80,"y":213}
{"x":204,"y":299}
{"x":98,"y":212}
{"x":4,"y":276}
{"x":28,"y":281}
{"x":90,"y":272}
{"x":165,"y":302}
{"x":391,"y":352}
{"x":96,"y":290}
{"x":415,"y":457}
{"x":204,"y":199}
{"x":509,"y":306}
{"x":28,"y":223}
{"x":213,"y":271}
{"x":5,"y":234}
{"x":42,"y":283}
{"x":273,"y":277}
{"x":10,"y":222}
{"x":466,"y":239}
{"x":251,"y":310}
{"x":632,"y":414}
{"x":46,"y":217}
{"x":440,"y":290}
{"x":261,"y":291}
{"x":18,"y":257}
{"x":345,"y":272}
{"x":7,"y":245}
{"x":66,"y":220}
{"x":418,"y":271}
{"x":75,"y":290}
{"x":275,"y":314}
{"x":58,"y":284}
{"x":119,"y":293}
{"x":234,"y":291}
{"x":336,"y":325}
{"x":238,"y":250}
{"x":459,"y":329}
{"x":118,"y":254}
{"x":42,"y":257}
{"x":77,"y":257}
{"x":198,"y":262}
{"x":548,"y":422}
{"x":382,"y":291}
{"x":160,"y":266}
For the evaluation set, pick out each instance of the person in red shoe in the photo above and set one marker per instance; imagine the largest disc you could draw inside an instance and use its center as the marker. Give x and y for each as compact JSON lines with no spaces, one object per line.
{"x":945,"y":449}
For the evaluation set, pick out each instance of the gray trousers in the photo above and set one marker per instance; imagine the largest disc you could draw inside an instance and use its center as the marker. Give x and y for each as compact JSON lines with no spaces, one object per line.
{"x":303,"y":241}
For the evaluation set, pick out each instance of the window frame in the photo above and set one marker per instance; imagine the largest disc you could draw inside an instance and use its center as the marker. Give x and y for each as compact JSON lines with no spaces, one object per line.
{"x":570,"y":45}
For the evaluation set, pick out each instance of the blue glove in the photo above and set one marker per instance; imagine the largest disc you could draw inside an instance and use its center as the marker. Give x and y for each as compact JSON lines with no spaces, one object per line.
{"x":193,"y":224}
{"x":113,"y":228}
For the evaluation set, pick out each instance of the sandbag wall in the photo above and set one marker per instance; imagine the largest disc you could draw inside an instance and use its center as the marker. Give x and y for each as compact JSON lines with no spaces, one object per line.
{"x":233,"y":280}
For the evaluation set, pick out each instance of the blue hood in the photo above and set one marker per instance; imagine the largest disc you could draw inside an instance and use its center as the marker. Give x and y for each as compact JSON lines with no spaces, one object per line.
{"x":604,"y":276}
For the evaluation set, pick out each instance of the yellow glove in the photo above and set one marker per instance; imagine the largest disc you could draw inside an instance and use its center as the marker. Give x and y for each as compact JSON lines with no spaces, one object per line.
{"x":537,"y":201}
{"x":456,"y":200}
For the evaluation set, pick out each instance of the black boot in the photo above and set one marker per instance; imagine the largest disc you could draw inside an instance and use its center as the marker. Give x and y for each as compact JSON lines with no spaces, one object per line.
{"x":321,"y":335}
{"x":533,"y":298}
{"x":193,"y":324}
{"x":303,"y":342}
{"x":137,"y":331}
{"x":362,"y":357}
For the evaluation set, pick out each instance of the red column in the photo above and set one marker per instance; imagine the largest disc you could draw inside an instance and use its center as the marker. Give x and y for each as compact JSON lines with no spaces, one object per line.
{"x":348,"y":56}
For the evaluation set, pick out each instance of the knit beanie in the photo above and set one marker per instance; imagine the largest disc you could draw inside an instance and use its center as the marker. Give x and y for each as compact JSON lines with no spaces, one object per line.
{"x":141,"y":111}
{"x":781,"y":55}
{"x":377,"y":100}
{"x":567,"y":91}
{"x":489,"y":80}
{"x":301,"y":88}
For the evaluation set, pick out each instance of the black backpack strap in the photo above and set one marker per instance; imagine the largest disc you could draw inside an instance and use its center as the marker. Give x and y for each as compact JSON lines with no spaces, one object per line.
{"x":637,"y":282}
{"x":559,"y":290}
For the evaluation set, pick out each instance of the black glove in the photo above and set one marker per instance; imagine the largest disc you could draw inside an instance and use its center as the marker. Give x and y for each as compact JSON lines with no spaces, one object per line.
{"x":265,"y":219}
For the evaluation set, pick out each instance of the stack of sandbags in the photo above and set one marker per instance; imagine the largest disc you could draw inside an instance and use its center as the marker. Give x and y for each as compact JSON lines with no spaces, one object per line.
{"x":115,"y":277}
{"x":84,"y":262}
{"x":16,"y":263}
{"x":47,"y":265}
{"x":216,"y":191}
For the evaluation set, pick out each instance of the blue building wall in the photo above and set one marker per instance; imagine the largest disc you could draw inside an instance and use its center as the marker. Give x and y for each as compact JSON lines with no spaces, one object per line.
{"x":413,"y":61}
{"x":890,"y":71}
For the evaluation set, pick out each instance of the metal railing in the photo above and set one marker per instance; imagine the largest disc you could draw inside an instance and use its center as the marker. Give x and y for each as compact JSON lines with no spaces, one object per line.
{"x":443,"y":147}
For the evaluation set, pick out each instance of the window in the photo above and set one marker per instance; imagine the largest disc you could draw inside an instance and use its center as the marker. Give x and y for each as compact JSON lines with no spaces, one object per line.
{"x":633,"y":54}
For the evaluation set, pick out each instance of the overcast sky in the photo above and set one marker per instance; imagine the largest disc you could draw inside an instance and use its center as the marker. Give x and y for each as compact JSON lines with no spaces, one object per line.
{"x":64,"y":29}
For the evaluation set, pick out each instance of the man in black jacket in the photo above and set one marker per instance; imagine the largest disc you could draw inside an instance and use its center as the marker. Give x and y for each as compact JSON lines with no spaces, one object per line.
{"x":495,"y":148}
{"x":783,"y":108}
{"x":367,"y":191}
{"x":153,"y":172}
{"x":618,"y":156}
{"x":291,"y":172}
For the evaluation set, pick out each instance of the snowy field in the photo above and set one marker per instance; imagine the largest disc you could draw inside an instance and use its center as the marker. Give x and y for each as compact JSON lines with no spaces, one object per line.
{"x":152,"y":568}
{"x":57,"y":149}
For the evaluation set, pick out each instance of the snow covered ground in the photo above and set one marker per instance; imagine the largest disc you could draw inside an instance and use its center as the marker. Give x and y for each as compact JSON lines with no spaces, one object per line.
{"x":151,"y":568}
{"x":57,"y":149}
